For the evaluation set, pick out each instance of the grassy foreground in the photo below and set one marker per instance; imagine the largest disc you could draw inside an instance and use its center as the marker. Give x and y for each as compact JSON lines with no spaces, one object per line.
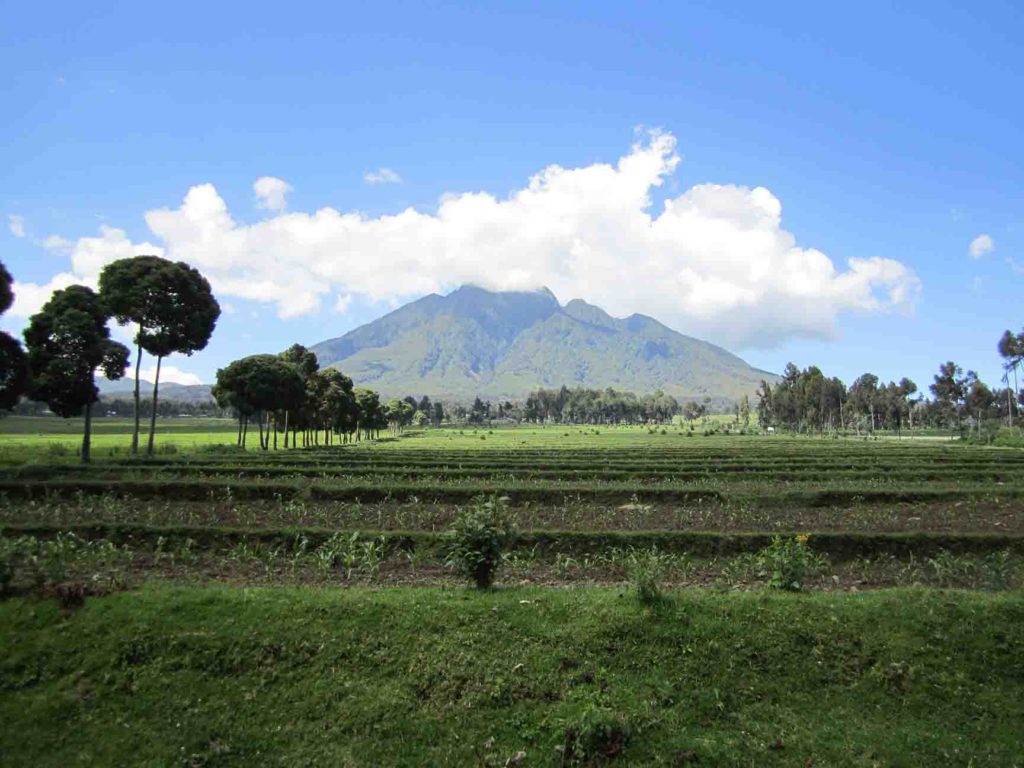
{"x":219,"y":676}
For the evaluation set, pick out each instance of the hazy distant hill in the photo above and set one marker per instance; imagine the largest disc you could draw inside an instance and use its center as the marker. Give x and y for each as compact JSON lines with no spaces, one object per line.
{"x":123,"y":389}
{"x":505,"y":344}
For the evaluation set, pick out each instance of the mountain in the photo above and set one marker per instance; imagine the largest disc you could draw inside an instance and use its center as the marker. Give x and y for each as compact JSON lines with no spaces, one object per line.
{"x":123,"y":389}
{"x":505,"y":344}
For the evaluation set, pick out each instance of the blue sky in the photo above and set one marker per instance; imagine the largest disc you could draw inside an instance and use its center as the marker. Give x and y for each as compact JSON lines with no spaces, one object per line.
{"x":888,"y":135}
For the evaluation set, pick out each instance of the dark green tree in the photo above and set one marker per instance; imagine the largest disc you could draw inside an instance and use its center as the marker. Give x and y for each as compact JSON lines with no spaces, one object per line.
{"x":1011,"y":349}
{"x":173,"y":307}
{"x":334,"y":402}
{"x":13,"y":363}
{"x":371,"y":415}
{"x":306,"y":363}
{"x":399,"y":413}
{"x":259,"y":385}
{"x":951,"y":388}
{"x":67,"y":340}
{"x":229,"y":392}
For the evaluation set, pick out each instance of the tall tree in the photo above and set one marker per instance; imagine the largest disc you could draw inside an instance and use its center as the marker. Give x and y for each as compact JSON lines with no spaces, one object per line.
{"x":67,"y":341}
{"x":1011,"y":349}
{"x":950,"y":389}
{"x":13,"y":363}
{"x":864,"y":397}
{"x":744,"y":411}
{"x":173,"y":307}
{"x":229,"y":391}
{"x":307,"y":365}
{"x":370,"y":412}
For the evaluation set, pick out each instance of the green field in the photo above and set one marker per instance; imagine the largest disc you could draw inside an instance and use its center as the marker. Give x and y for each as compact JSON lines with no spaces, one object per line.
{"x":205,"y":581}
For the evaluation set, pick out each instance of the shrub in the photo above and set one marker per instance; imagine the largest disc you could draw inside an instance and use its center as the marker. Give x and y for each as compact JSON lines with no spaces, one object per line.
{"x":787,"y":562}
{"x":646,"y":569}
{"x":597,"y":735}
{"x":12,"y":553}
{"x":478,"y":538}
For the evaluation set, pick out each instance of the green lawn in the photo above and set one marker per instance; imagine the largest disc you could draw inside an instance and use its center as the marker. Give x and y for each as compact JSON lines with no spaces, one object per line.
{"x":33,"y":437}
{"x":331,"y":677}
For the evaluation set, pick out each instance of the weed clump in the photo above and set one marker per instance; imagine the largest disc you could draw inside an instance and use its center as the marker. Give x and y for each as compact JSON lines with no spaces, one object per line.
{"x":646,"y":569}
{"x":479,"y":537}
{"x":596,"y":736}
{"x":787,"y":562}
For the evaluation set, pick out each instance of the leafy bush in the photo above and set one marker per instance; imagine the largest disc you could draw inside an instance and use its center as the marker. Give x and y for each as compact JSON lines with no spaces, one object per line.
{"x":597,"y":735}
{"x":12,"y":553}
{"x":1010,"y":438}
{"x":478,"y":538}
{"x":646,"y":569}
{"x":787,"y":562}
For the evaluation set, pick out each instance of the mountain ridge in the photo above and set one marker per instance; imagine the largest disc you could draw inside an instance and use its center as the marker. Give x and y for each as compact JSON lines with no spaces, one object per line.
{"x":505,"y":344}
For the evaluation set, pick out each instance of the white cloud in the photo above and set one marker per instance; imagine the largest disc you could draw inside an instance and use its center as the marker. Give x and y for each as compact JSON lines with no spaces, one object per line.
{"x":382,"y":176}
{"x":30,"y":297}
{"x":1012,"y":263}
{"x":16,"y":224}
{"x":715,"y":261}
{"x":980,"y":246}
{"x":88,"y":255}
{"x":343,"y":302}
{"x":271,"y":193}
{"x":169,"y":374}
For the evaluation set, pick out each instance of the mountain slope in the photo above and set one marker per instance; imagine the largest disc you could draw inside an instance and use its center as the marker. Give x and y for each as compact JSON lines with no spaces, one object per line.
{"x":505,"y":344}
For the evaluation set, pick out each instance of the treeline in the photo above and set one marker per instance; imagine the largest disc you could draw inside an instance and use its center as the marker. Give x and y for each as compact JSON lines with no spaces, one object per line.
{"x":289,"y":396}
{"x":117,"y":406}
{"x":808,"y":401}
{"x":68,"y":340}
{"x":121,"y":407}
{"x":604,"y":406}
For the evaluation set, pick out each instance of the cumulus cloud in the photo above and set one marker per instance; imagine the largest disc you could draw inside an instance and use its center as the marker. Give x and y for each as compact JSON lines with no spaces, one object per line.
{"x":30,"y":297}
{"x":980,"y":246}
{"x":88,"y":255}
{"x":169,"y":374}
{"x":714,"y":261}
{"x":382,"y":176}
{"x":271,"y":193}
{"x":16,"y":224}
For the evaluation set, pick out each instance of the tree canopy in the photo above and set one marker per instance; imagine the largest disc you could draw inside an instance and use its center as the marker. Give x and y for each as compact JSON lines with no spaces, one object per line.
{"x":172,"y":305}
{"x":67,"y":341}
{"x":13,"y":363}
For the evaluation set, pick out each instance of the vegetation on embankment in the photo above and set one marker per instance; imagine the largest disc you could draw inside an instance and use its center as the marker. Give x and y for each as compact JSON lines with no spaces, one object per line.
{"x":433,"y":677}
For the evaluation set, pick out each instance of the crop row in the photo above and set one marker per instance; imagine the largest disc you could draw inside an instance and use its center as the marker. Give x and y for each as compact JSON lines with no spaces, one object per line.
{"x":390,"y":474}
{"x":765,"y":495}
{"x":837,"y":546}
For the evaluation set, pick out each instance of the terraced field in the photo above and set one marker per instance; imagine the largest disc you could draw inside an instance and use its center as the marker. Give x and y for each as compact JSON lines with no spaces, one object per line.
{"x":150,"y":602}
{"x":582,"y":499}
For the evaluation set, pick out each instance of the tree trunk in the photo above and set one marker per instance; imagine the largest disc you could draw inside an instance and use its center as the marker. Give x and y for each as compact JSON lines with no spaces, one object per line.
{"x":87,"y":435}
{"x":275,"y":430}
{"x":239,"y":443}
{"x":152,"y":416}
{"x":286,"y":429}
{"x":245,"y":433}
{"x":138,"y":416}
